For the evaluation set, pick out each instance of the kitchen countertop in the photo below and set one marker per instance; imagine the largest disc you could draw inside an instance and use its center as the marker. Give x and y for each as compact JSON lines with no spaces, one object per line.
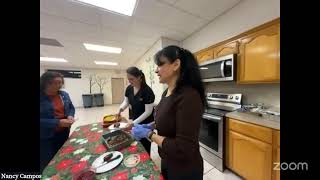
{"x":269,"y":121}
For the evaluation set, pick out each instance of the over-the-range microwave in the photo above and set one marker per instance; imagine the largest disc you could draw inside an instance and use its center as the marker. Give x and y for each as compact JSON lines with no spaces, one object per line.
{"x":219,"y":69}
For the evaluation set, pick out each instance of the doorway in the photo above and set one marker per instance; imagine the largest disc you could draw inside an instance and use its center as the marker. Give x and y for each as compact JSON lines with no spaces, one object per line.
{"x":117,"y":85}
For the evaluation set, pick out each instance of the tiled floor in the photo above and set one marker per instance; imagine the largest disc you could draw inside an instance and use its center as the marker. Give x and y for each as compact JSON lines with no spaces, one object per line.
{"x":91,"y":115}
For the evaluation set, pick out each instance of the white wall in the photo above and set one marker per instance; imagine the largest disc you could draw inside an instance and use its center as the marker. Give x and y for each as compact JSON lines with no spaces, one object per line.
{"x":166,"y":42}
{"x":147,"y":65}
{"x":41,"y":71}
{"x":244,"y":16}
{"x":77,"y":87}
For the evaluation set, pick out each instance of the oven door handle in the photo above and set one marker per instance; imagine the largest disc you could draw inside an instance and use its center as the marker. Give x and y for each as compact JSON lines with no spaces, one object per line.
{"x":211,"y":117}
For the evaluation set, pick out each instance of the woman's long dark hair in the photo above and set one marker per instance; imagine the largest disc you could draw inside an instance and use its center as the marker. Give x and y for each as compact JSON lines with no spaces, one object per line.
{"x":134,"y":71}
{"x":47,"y":77}
{"x":189,"y":69}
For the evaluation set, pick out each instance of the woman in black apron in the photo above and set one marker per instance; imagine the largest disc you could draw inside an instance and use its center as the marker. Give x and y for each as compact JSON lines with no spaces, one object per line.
{"x":139,"y":97}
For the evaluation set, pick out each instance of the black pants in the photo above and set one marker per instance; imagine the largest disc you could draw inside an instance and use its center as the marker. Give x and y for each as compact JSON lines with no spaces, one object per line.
{"x":169,"y":174}
{"x":146,"y":144}
{"x":49,"y":147}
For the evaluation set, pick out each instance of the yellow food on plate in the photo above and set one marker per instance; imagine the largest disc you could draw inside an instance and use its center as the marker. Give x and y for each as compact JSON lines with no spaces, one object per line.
{"x":109,"y":118}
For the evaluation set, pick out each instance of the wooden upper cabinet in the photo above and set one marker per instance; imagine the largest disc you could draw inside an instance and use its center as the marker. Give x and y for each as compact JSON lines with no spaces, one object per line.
{"x":260,"y":56}
{"x":225,"y":49}
{"x":249,"y":157}
{"x":258,"y":53}
{"x":205,"y":55}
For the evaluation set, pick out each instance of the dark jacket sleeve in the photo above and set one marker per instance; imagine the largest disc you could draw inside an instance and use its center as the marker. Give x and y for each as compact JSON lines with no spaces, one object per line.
{"x":188,"y":116}
{"x":71,"y":111}
{"x":46,"y":120}
{"x":49,"y":123}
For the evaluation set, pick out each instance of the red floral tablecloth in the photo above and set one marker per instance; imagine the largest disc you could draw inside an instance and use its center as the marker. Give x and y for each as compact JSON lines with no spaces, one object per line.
{"x":84,"y":146}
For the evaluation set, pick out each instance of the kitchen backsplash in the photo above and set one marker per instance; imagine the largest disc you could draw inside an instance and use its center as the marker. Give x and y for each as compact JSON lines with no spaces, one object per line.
{"x":269,"y":94}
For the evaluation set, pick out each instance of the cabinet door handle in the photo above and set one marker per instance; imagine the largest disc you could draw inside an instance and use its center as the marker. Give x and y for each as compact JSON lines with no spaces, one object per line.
{"x":222,"y":69}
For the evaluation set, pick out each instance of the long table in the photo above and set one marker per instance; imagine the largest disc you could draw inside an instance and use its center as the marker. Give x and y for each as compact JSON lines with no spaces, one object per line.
{"x":85,"y":145}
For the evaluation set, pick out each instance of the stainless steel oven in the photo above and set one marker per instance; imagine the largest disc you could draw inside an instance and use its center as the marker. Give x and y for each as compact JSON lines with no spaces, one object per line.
{"x":211,"y":140}
{"x":219,"y":69}
{"x":212,"y":126}
{"x":212,"y":136}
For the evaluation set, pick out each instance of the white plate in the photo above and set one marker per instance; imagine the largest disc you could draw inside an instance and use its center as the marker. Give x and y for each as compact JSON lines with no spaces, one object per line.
{"x":122,"y":126}
{"x":132,"y":160}
{"x":108,"y":166}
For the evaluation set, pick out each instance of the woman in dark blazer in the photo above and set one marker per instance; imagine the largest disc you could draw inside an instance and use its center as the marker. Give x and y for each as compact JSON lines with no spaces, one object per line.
{"x":56,"y":116}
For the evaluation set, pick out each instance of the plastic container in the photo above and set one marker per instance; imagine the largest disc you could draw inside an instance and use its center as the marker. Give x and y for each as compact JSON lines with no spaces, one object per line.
{"x":87,"y":100}
{"x":98,"y":99}
{"x":127,"y":142}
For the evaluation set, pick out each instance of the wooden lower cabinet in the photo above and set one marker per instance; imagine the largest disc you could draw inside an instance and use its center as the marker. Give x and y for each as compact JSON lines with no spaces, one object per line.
{"x":252,"y":151}
{"x":249,"y":157}
{"x":276,"y":154}
{"x":276,"y":160}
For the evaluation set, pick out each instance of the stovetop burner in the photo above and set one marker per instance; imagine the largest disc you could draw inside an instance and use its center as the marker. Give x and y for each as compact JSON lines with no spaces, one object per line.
{"x":220,"y":103}
{"x":217,"y":112}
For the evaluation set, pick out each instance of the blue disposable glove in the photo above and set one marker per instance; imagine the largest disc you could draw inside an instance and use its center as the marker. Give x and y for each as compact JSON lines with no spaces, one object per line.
{"x":139,"y":132}
{"x":137,"y":125}
{"x":148,"y":126}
